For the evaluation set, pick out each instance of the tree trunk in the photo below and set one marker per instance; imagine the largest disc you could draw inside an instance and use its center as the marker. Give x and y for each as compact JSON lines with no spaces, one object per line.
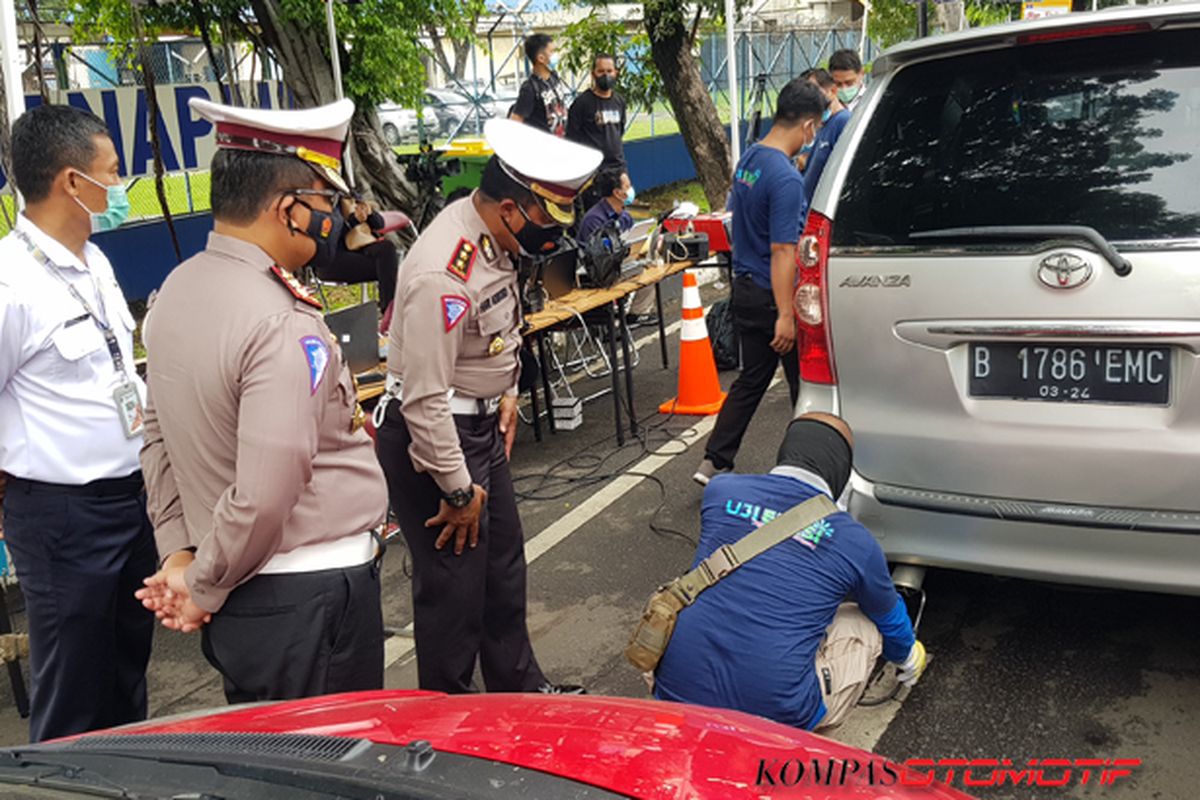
{"x":690,"y":101}
{"x":307,"y":71}
{"x":460,"y":47}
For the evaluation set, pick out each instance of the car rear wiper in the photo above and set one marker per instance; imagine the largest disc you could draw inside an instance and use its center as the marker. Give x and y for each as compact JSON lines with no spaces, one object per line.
{"x":1120,"y":264}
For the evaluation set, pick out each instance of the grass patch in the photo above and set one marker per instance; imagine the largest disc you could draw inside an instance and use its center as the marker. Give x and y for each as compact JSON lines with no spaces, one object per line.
{"x":662,"y":198}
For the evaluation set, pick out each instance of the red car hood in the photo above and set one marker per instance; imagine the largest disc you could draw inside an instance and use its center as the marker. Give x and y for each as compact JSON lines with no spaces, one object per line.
{"x":641,"y":748}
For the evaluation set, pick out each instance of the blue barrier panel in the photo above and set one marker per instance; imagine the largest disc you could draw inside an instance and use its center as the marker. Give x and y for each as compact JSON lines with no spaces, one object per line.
{"x":141,"y":252}
{"x":142,"y":255}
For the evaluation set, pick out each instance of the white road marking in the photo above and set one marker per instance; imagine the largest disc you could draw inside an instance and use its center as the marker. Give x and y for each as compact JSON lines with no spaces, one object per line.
{"x":396,"y":648}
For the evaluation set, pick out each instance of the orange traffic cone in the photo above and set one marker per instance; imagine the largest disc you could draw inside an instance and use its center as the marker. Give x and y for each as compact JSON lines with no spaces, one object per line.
{"x":699,"y":390}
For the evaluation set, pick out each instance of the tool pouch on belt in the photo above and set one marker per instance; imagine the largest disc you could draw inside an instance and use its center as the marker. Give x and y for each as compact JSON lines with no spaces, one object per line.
{"x":653,"y":632}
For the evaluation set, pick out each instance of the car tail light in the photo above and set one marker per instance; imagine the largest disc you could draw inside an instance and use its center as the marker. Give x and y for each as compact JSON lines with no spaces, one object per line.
{"x":1083,"y":33}
{"x":811,"y":301}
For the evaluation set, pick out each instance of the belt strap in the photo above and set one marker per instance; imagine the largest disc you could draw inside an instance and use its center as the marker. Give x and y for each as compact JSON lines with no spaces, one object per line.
{"x":729,"y":557}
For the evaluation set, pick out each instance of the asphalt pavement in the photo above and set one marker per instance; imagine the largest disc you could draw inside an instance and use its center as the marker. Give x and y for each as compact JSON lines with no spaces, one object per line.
{"x":1020,"y":670}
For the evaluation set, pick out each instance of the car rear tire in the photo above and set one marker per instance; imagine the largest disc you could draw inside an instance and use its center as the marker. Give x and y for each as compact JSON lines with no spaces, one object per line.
{"x":391,"y":134}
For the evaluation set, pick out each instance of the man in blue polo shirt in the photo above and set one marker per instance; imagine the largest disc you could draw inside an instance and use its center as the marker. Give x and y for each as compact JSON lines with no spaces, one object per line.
{"x":776,"y":637}
{"x":837,"y":116}
{"x":767,"y":201}
{"x":616,"y":193}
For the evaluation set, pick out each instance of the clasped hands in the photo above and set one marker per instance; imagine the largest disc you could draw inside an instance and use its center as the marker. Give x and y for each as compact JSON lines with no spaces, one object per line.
{"x":167,"y":595}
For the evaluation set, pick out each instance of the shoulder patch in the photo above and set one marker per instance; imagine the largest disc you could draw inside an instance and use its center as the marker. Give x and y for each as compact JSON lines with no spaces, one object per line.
{"x":486,"y":246}
{"x":295,"y":287}
{"x":316,"y":352}
{"x":454,"y":308}
{"x":462,"y":260}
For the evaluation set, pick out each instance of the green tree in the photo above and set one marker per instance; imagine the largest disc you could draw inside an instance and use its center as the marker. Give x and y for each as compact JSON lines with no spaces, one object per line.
{"x":379,"y":60}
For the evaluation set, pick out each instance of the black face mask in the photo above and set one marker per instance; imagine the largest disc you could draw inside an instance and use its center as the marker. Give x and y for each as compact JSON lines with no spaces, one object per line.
{"x":605,"y":82}
{"x":820,"y":449}
{"x":533,"y":238}
{"x":324,"y":228}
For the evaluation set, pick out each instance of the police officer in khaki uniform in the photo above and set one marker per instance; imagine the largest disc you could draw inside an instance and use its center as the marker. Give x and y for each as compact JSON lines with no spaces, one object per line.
{"x":448,"y":421}
{"x":263,"y":487}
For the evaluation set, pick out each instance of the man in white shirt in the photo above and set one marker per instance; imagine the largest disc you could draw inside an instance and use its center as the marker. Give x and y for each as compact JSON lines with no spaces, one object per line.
{"x":70,"y":431}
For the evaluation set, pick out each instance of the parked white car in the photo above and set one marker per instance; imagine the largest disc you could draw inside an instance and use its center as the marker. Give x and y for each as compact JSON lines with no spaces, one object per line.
{"x":400,"y":124}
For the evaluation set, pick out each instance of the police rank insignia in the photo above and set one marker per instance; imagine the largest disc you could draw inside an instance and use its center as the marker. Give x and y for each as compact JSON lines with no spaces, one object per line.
{"x":454,"y":308}
{"x":489,"y":249}
{"x":497,"y":346}
{"x":298,"y":289}
{"x":462,"y":260}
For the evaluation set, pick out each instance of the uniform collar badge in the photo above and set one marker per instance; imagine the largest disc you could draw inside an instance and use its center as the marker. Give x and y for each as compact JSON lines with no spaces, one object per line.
{"x":297,"y":289}
{"x":489,"y":249}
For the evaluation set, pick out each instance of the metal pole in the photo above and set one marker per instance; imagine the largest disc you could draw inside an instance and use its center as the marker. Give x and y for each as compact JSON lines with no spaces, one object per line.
{"x":336,"y":62}
{"x":333,"y":50}
{"x":731,"y":73}
{"x":10,"y":71}
{"x":922,"y":19}
{"x":862,"y":42}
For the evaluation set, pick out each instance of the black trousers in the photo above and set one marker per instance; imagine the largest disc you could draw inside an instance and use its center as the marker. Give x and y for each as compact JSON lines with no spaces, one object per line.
{"x":302,"y":634}
{"x":471,"y":606}
{"x":754,"y":314}
{"x":80,"y":553}
{"x":375,"y":262}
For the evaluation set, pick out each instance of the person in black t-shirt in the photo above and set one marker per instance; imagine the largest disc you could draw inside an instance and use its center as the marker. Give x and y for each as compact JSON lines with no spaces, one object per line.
{"x":597,"y":117}
{"x":542,"y":100}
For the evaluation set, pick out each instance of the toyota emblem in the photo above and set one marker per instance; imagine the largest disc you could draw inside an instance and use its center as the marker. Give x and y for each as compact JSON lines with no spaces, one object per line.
{"x":1064,"y":270}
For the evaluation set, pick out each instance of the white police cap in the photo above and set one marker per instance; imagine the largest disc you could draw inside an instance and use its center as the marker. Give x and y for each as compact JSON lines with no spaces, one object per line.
{"x":314,"y":135}
{"x":553,"y":168}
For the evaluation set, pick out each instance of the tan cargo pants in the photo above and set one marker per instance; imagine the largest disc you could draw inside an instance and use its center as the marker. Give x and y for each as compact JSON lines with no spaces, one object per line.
{"x":844,"y":663}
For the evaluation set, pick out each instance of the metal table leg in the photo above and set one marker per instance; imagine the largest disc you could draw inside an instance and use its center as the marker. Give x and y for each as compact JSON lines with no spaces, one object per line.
{"x":20,"y":696}
{"x":537,"y":414}
{"x":616,"y":378}
{"x":545,"y":365}
{"x":627,"y":363}
{"x":662,"y":328}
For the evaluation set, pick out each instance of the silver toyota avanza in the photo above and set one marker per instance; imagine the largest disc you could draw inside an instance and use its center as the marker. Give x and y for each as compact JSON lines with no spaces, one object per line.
{"x":1000,"y":291}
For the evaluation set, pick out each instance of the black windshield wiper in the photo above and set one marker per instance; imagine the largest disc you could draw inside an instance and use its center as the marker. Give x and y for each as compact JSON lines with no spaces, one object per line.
{"x":1120,"y":264}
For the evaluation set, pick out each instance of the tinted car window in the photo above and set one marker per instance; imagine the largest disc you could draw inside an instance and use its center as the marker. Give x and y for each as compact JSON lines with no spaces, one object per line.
{"x":1099,"y":132}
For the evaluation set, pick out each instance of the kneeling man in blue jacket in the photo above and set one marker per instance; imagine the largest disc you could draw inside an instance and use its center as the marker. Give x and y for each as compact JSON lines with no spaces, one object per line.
{"x":793,"y":634}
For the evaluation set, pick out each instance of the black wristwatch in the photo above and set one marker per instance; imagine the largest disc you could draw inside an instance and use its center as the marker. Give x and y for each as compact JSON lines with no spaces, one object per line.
{"x":460,"y":498}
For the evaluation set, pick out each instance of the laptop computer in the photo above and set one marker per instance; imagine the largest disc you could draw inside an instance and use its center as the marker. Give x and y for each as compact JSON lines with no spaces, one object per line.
{"x":357,"y":330}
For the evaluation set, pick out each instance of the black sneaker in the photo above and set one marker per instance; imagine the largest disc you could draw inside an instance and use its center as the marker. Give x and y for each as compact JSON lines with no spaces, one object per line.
{"x":561,"y":688}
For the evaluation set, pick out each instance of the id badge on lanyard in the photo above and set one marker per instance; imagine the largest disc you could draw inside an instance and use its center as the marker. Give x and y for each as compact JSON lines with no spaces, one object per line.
{"x":126,"y":398}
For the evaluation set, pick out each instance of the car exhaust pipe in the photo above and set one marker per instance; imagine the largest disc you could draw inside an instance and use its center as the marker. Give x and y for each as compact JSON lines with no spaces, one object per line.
{"x":908,"y":576}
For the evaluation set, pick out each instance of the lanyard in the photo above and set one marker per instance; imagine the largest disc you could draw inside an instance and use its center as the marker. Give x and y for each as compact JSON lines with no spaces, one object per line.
{"x":101,"y":319}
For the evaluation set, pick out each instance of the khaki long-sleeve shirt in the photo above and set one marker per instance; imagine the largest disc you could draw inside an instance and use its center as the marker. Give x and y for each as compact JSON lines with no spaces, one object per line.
{"x":456,"y":327}
{"x":251,"y":448}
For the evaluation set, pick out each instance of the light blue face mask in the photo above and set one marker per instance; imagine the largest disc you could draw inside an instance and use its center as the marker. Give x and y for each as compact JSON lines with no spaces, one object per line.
{"x":115,"y":212}
{"x":630,"y":195}
{"x":825,"y":117}
{"x":806,"y":149}
{"x":554,"y":61}
{"x":847,"y":93}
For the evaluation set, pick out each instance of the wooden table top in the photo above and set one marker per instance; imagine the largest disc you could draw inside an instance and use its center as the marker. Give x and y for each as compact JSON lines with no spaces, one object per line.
{"x":560,"y":309}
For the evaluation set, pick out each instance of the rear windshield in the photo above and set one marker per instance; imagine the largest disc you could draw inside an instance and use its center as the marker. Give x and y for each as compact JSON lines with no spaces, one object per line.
{"x":1099,"y":132}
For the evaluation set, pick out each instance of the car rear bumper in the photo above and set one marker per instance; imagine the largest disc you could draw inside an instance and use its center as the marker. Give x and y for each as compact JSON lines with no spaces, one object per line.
{"x":1063,"y":553}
